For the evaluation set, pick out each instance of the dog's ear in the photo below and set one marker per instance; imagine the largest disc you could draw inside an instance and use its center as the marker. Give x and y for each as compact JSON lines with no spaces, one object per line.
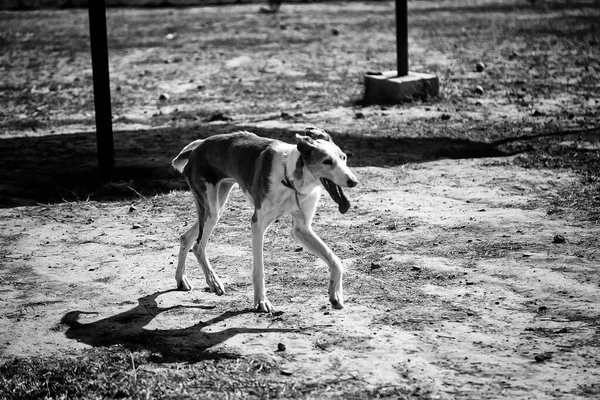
{"x":305,"y":145}
{"x":317,"y":133}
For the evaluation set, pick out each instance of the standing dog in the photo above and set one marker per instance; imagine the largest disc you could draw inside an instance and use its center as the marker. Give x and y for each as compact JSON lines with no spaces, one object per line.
{"x":278,"y":179}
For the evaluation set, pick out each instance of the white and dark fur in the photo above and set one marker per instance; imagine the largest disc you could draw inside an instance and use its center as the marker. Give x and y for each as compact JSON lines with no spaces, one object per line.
{"x":278,"y":179}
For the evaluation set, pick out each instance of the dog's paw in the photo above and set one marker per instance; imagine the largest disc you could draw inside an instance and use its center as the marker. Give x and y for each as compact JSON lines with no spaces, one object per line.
{"x":216,"y":286}
{"x":184,"y":285}
{"x":336,"y":297}
{"x":336,"y":304}
{"x":264,"y":306}
{"x":219,"y":290}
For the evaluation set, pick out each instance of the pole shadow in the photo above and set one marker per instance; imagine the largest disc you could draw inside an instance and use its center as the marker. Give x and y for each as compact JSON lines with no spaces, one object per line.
{"x":189,"y":344}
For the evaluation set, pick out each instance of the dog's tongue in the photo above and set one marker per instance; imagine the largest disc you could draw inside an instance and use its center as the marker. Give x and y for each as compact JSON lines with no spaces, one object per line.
{"x":343,"y":203}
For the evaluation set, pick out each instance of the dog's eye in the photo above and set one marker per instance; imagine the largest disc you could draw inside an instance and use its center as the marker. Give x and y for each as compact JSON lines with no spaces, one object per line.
{"x":328,"y":161}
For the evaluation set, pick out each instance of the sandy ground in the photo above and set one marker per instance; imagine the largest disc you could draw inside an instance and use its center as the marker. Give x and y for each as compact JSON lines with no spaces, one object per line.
{"x":454,"y":286}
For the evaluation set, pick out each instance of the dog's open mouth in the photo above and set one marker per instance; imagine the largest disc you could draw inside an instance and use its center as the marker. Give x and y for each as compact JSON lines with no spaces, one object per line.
{"x":336,"y":194}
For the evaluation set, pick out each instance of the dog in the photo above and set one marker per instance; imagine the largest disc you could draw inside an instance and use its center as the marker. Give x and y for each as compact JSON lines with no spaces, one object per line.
{"x":277,"y":178}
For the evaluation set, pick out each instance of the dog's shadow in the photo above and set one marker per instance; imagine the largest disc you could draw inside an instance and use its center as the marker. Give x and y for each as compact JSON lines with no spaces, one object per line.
{"x":187,"y":344}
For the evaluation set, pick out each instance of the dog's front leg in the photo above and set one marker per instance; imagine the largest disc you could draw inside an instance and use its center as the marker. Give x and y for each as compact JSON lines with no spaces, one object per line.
{"x":261,"y":303}
{"x":303,"y":233}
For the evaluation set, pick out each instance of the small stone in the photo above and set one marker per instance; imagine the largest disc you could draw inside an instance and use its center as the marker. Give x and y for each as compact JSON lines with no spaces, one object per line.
{"x":136,"y":226}
{"x":446,"y":117}
{"x":558,"y":239}
{"x":359,"y":115}
{"x":164,"y":96}
{"x":375,"y":266}
{"x":542,"y":357}
{"x":280,"y":347}
{"x":479,"y":67}
{"x":219,"y":116}
{"x":238,"y":62}
{"x":538,"y":113}
{"x":478,"y":90}
{"x":335,"y":31}
{"x":170,"y":36}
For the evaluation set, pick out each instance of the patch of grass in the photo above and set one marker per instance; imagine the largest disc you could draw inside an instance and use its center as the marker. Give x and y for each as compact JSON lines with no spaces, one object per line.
{"x":485,"y":249}
{"x":569,"y":152}
{"x":117,"y":373}
{"x":93,"y":374}
{"x":25,"y":124}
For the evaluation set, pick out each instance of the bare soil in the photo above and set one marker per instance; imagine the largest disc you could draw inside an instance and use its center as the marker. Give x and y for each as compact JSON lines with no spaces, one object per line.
{"x":454,"y":286}
{"x":471,"y":248}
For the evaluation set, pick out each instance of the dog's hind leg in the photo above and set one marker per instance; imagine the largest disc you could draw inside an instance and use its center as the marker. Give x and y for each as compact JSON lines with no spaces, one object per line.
{"x":216,"y":197}
{"x":186,"y":242}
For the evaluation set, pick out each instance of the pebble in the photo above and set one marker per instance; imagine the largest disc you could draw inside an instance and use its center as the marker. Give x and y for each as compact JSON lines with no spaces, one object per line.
{"x":542,"y":357}
{"x":558,"y":239}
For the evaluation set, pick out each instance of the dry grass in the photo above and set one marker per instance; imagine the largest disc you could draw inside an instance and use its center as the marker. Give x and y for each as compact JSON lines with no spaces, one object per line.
{"x":118,"y":373}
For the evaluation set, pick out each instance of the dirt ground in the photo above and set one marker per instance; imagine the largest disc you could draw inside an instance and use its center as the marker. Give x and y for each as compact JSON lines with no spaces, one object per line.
{"x":454,"y":285}
{"x":471,"y":249}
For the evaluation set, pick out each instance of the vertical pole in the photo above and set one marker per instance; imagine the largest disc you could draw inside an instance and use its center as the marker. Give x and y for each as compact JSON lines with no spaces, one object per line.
{"x":99,"y":45}
{"x":402,"y":36}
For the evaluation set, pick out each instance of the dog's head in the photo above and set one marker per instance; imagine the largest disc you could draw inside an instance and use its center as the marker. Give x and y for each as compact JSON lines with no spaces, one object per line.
{"x":327,"y":163}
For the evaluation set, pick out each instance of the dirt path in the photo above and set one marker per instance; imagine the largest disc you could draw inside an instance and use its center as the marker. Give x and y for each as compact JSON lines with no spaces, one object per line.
{"x":454,"y":287}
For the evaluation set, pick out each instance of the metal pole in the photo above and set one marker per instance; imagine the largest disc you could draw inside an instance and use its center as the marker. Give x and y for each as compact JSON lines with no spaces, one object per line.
{"x":99,"y":45}
{"x":402,"y":36}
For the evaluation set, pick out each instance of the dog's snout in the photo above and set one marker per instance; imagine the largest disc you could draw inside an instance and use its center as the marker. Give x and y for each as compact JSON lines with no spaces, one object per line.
{"x":352,"y":182}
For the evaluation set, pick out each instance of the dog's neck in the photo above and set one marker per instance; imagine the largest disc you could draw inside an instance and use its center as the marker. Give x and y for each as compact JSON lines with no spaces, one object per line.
{"x":295,"y":174}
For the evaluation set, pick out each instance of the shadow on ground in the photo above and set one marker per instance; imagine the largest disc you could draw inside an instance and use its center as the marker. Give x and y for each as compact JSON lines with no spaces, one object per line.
{"x":59,"y":168}
{"x":189,"y":344}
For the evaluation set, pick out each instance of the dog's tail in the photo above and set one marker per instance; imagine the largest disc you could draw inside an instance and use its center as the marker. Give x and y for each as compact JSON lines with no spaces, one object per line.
{"x":183,"y":157}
